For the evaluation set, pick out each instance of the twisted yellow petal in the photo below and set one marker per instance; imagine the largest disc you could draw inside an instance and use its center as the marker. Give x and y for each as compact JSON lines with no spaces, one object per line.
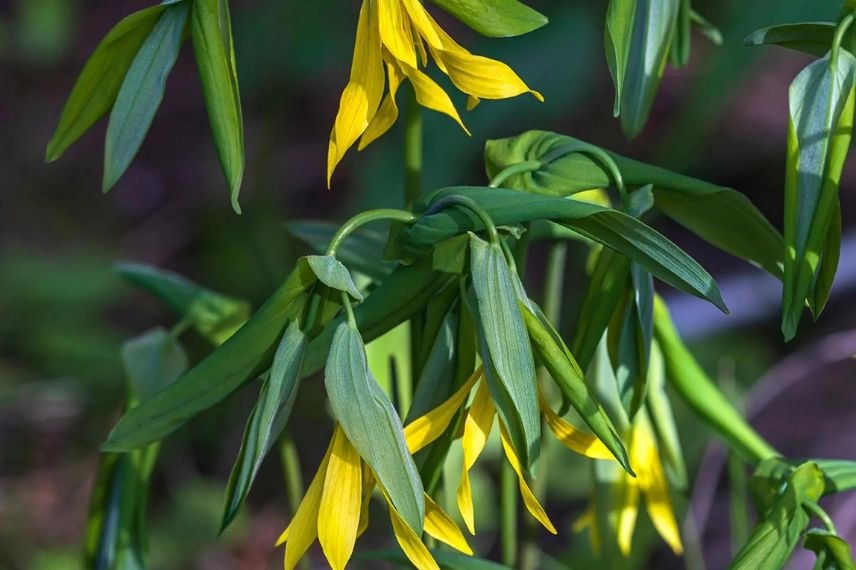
{"x":387,"y":113}
{"x":423,"y":22}
{"x":655,"y":489}
{"x":411,"y":544}
{"x":339,"y":511}
{"x":476,"y":431}
{"x":574,"y":439}
{"x":426,"y":429}
{"x":362,"y":95}
{"x":430,"y":95}
{"x":440,"y":526}
{"x":529,"y":499}
{"x":395,"y":31}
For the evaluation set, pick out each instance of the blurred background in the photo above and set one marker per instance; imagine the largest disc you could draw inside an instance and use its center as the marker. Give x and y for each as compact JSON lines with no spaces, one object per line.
{"x":64,"y":313}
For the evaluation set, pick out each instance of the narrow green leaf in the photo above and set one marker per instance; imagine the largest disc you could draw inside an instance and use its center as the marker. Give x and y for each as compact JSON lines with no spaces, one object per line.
{"x":268,"y":418}
{"x":813,"y":38}
{"x":660,"y":410}
{"x":620,"y":16}
{"x":821,"y":122}
{"x":825,"y":275}
{"x":214,"y":315}
{"x":833,"y":552}
{"x":211,"y":30}
{"x":333,"y":274}
{"x":494,"y":18}
{"x":840,"y":474}
{"x":679,"y":53}
{"x":241,"y":358}
{"x":141,"y":92}
{"x":98,"y":84}
{"x":507,"y":354}
{"x":706,"y":28}
{"x":721,"y":216}
{"x":437,"y":376}
{"x":372,"y":425}
{"x":362,"y":251}
{"x":447,"y":559}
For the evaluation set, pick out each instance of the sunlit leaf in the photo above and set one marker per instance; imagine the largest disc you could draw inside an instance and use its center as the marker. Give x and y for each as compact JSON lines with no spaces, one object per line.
{"x":494,"y":18}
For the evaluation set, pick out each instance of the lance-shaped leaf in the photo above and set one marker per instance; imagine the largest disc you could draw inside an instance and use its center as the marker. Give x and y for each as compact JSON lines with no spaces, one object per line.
{"x":679,"y":53}
{"x":494,"y":18}
{"x":833,"y":552}
{"x":116,"y":525}
{"x":721,"y":216}
{"x":362,"y":251}
{"x":507,"y":354}
{"x":621,"y":232}
{"x":563,"y":368}
{"x":780,"y":529}
{"x":268,"y":418}
{"x":241,"y":358}
{"x":840,"y":474}
{"x":214,"y":315}
{"x":211,"y":30}
{"x":638,"y":36}
{"x":821,"y":122}
{"x":96,"y":88}
{"x":372,"y":425}
{"x":822,"y":286}
{"x":447,"y":559}
{"x":333,"y":274}
{"x":813,"y":38}
{"x":141,"y":92}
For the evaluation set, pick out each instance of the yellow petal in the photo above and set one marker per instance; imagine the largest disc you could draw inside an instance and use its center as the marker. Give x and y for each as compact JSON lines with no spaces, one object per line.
{"x":362,"y":95}
{"x":387,"y":113}
{"x":655,"y":490}
{"x":575,"y":439}
{"x":303,"y":528}
{"x":425,"y":429}
{"x":368,"y":486}
{"x":439,"y":525}
{"x":395,"y":31}
{"x":411,"y":544}
{"x":430,"y":95}
{"x":423,"y":22}
{"x":472,"y":102}
{"x":477,"y":427}
{"x":597,"y":196}
{"x":588,"y":521}
{"x":529,"y":499}
{"x":339,"y":512}
{"x":628,"y":510}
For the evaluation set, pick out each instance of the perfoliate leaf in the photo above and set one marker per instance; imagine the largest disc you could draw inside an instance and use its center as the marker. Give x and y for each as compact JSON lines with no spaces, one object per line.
{"x":211,"y":30}
{"x":638,"y":36}
{"x":821,"y":122}
{"x":333,"y":274}
{"x":813,"y":38}
{"x":494,"y":18}
{"x":214,"y":315}
{"x":833,"y":552}
{"x":268,"y":418}
{"x":372,"y":425}
{"x":507,"y":354}
{"x":241,"y":358}
{"x":721,"y":216}
{"x":98,"y":85}
{"x":142,"y":91}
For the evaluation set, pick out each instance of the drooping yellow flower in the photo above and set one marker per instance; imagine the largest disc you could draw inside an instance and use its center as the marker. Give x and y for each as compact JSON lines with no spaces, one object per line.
{"x":477,"y":427}
{"x":393,"y":40}
{"x":335,"y":511}
{"x":650,"y":483}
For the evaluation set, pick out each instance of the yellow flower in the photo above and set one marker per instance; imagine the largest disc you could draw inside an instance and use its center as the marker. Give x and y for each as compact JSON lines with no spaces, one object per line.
{"x":650,"y":483}
{"x":335,"y":511}
{"x":393,"y":40}
{"x":477,"y":426}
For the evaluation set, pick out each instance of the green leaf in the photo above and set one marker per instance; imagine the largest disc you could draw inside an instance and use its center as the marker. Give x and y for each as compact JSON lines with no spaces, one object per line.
{"x":142,"y":91}
{"x":333,"y":274}
{"x":813,"y":38}
{"x":825,"y":275}
{"x":840,"y":474}
{"x":721,"y":216}
{"x":437,"y":376}
{"x":833,"y":552}
{"x":563,"y":368}
{"x":152,"y":361}
{"x":506,"y":352}
{"x":214,"y":315}
{"x":660,"y":410}
{"x":821,"y":121}
{"x":211,"y":30}
{"x":362,"y":251}
{"x":98,"y":84}
{"x":372,"y":425}
{"x":267,"y":420}
{"x":779,"y":531}
{"x":494,"y":18}
{"x":241,"y":358}
{"x":628,"y":236}
{"x":679,"y":53}
{"x":446,"y":559}
{"x":638,"y":37}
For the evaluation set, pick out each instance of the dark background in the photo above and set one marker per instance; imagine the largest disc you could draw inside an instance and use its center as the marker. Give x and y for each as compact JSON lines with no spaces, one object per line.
{"x":64,"y":314}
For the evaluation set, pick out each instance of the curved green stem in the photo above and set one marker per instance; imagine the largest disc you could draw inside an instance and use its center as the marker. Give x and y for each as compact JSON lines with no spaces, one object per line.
{"x":513,"y":170}
{"x":349,"y":310}
{"x":824,"y":517}
{"x":702,"y":395}
{"x":471,"y":205}
{"x":598,"y":154}
{"x":364,"y":218}
{"x":839,"y":35}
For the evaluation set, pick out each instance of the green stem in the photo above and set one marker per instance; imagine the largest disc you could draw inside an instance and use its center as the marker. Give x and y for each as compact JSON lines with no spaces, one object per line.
{"x":598,"y":154}
{"x":508,"y":514}
{"x":513,"y":170}
{"x":293,"y":478}
{"x":412,"y":148}
{"x":701,"y":394}
{"x":471,"y":205}
{"x":839,"y":35}
{"x":818,"y":511}
{"x":364,"y":218}
{"x":349,"y":310}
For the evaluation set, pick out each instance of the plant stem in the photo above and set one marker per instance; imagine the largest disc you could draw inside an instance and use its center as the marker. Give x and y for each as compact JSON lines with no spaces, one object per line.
{"x":508,"y":514}
{"x":293,"y":478}
{"x":412,"y":148}
{"x":818,"y":511}
{"x":364,"y":218}
{"x":513,"y":170}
